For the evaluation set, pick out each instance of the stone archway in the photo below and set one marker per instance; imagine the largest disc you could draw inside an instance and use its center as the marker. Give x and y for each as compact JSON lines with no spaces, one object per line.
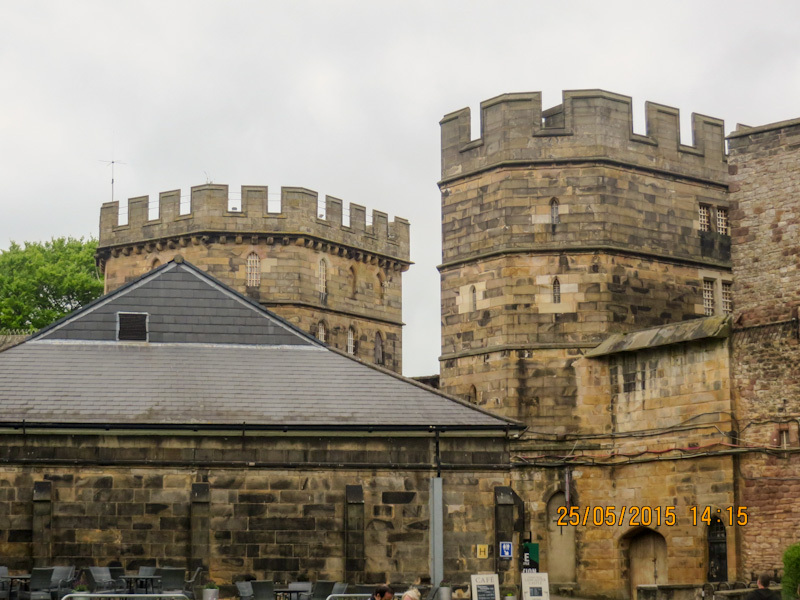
{"x":647,"y":559}
{"x":560,"y":543}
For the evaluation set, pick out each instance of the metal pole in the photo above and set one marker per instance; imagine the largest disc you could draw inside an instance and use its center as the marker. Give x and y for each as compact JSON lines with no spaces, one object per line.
{"x":437,"y":531}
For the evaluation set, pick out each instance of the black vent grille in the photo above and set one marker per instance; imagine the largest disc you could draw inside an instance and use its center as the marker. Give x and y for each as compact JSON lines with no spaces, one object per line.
{"x":132,"y":327}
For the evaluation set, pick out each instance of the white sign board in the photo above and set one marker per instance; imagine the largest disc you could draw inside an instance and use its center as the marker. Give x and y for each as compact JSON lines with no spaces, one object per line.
{"x":535,"y":586}
{"x":485,"y":587}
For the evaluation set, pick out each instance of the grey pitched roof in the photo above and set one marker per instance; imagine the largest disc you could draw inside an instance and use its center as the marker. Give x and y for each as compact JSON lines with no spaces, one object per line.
{"x":674,"y":333}
{"x":184,"y":304}
{"x":200,"y":374}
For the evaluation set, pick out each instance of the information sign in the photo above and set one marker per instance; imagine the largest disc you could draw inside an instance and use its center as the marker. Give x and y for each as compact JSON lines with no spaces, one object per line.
{"x":485,"y":587}
{"x":506,"y":550}
{"x":535,"y":586}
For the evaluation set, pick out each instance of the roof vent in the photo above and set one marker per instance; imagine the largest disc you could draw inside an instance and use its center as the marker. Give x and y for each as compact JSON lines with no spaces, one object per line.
{"x":132,"y":327}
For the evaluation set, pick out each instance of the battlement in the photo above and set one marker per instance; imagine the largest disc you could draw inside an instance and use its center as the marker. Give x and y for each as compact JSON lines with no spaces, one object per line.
{"x":587,"y":125}
{"x":210,"y":213}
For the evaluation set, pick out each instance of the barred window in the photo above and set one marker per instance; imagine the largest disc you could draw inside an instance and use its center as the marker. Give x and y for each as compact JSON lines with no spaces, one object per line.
{"x":321,"y":332}
{"x":554,"y":216}
{"x":727,"y":297}
{"x":323,"y":277}
{"x":253,"y":269}
{"x":705,"y":222}
{"x":708,"y":297}
{"x":722,"y":221}
{"x":629,"y":372}
{"x":556,"y":291}
{"x":613,"y":374}
{"x":351,"y":341}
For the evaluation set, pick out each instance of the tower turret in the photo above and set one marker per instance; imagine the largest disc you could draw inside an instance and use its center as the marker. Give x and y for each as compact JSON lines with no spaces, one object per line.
{"x":342,"y":282}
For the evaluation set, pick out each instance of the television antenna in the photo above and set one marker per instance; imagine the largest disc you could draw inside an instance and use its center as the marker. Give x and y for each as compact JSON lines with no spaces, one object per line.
{"x":111,"y":163}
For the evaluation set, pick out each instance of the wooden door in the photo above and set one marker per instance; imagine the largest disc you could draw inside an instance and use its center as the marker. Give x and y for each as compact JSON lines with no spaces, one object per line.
{"x":647,"y":557}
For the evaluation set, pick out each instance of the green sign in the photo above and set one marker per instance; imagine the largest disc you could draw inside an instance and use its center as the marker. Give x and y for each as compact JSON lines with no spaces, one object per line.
{"x":529,"y":557}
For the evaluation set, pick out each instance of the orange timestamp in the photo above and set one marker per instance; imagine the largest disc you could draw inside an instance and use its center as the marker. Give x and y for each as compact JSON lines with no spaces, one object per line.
{"x":648,"y":516}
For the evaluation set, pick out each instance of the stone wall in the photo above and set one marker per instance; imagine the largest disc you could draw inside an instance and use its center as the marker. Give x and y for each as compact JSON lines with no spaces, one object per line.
{"x":601,"y":554}
{"x":278,"y":507}
{"x":765,"y":188}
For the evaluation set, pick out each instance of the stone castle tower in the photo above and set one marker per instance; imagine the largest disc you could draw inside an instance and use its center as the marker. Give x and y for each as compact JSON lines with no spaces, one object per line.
{"x":561,"y":227}
{"x":341,"y":282}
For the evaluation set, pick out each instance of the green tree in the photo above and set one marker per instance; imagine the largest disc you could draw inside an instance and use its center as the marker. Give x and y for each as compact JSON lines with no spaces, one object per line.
{"x":791,"y":572}
{"x":42,"y":282}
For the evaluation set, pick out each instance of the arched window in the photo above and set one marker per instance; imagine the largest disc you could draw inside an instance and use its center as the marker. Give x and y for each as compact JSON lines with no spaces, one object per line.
{"x":556,"y":291}
{"x":353,"y":282}
{"x":253,"y":269}
{"x":323,"y":277}
{"x":351,"y":341}
{"x":473,"y":299}
{"x":378,"y":348}
{"x":321,"y":331}
{"x":717,"y":551}
{"x":473,"y":394}
{"x":554,"y":217}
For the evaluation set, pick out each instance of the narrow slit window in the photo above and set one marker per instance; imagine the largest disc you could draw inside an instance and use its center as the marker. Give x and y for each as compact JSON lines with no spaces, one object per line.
{"x":555,"y":218}
{"x":323,"y":277}
{"x":253,"y":270}
{"x":351,"y":341}
{"x":556,"y":291}
{"x":708,"y":297}
{"x":132,"y":327}
{"x":473,"y":299}
{"x":381,"y":286}
{"x":321,"y":331}
{"x":378,"y":348}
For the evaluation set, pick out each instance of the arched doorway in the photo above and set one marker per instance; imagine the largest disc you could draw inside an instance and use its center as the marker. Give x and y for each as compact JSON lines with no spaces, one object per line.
{"x":647,"y":559}
{"x":560,"y":543}
{"x":717,"y":551}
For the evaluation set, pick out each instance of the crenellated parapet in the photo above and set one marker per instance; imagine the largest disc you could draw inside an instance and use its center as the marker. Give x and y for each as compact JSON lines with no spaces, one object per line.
{"x":298,"y":221}
{"x":588,"y":125}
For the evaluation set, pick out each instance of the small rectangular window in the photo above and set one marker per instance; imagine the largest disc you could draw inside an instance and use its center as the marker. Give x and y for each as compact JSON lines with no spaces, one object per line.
{"x":132,"y":327}
{"x":722,"y":221}
{"x":705,"y":222}
{"x":708,"y":297}
{"x":727,"y":297}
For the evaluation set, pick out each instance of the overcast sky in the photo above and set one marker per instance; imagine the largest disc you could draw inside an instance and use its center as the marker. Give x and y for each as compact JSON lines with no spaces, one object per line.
{"x":340,"y":97}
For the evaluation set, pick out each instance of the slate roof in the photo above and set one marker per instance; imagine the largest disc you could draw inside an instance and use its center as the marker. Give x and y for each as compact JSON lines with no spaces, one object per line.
{"x":675,"y":333}
{"x":215,"y":359}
